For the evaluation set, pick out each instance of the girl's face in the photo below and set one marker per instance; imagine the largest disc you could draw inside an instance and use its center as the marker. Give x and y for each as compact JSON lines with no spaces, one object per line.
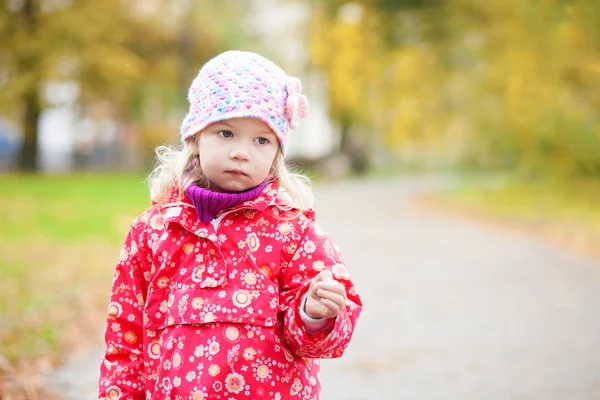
{"x":237,"y":154}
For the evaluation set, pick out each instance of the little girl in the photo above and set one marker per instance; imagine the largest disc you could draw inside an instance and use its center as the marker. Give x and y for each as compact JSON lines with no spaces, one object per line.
{"x":226,"y":288}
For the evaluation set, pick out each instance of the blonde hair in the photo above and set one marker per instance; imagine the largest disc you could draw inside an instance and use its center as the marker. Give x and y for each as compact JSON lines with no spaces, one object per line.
{"x":175,"y":168}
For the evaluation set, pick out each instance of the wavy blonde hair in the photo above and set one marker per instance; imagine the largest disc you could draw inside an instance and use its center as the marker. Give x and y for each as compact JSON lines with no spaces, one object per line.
{"x":175,"y":169}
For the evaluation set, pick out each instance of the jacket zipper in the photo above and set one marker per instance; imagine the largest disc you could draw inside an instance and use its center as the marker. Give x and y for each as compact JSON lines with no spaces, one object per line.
{"x":217,"y":221}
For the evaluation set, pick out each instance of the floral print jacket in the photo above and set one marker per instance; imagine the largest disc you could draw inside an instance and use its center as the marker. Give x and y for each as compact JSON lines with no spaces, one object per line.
{"x":211,"y":310}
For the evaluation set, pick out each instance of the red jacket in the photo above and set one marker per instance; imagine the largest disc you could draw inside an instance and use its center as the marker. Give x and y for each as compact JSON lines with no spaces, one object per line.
{"x":211,"y":310}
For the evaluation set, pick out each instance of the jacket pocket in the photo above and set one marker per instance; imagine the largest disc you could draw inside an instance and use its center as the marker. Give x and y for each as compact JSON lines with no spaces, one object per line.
{"x":172,"y":307}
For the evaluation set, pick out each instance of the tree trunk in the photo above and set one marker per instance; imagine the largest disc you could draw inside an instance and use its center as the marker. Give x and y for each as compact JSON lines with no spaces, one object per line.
{"x":28,"y":157}
{"x":344,"y":134}
{"x":358,"y":157}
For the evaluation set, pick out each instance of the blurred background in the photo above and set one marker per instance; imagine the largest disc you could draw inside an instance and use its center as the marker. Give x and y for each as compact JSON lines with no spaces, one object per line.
{"x":501,"y":96}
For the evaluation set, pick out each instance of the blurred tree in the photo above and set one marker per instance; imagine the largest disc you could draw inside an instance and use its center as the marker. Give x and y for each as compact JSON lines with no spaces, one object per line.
{"x":345,"y":46}
{"x":54,"y":41}
{"x":499,"y":85}
{"x":355,"y":44}
{"x":121,"y":51}
{"x":531,"y":100}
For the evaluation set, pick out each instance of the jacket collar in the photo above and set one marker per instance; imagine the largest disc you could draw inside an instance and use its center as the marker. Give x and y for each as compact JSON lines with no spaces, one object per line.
{"x":182,"y":210}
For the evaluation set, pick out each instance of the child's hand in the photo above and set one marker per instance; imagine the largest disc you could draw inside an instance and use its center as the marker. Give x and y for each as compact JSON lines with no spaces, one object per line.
{"x":326,"y":297}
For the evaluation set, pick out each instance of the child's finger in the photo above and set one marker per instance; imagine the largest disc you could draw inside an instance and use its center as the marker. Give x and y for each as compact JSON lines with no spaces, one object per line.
{"x":333,"y":308}
{"x":334,"y":286}
{"x":338,"y":299}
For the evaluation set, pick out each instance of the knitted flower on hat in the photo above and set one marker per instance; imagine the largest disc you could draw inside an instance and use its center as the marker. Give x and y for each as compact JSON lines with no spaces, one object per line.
{"x":238,"y":84}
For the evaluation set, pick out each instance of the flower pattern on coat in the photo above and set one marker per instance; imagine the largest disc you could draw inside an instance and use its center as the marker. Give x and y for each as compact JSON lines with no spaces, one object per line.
{"x":211,"y":310}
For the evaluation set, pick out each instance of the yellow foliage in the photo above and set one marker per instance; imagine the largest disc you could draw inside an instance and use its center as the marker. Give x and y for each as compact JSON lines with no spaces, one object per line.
{"x":348,"y":52}
{"x":516,"y":82}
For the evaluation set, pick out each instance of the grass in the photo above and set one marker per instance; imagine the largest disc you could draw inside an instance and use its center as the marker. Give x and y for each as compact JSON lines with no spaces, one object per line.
{"x":567,"y":211}
{"x":59,"y":238}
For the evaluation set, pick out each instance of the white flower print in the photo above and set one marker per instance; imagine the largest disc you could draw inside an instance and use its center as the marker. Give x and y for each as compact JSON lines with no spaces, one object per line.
{"x":156,"y":222}
{"x":273,"y":303}
{"x":318,"y":266}
{"x":214,"y":370}
{"x":253,"y":242}
{"x":124,"y":255}
{"x":232,"y":333}
{"x":114,"y":392}
{"x":198,"y":395}
{"x":249,"y":353}
{"x":209,"y":317}
{"x":163,"y":307}
{"x":310,"y":246}
{"x":188,"y":248}
{"x":213,"y":348}
{"x":154,"y":350}
{"x":250,"y":278}
{"x":217,"y":386}
{"x":262,"y":373}
{"x":177,"y":360}
{"x":340,"y":271}
{"x":296,"y":387}
{"x":114,"y":310}
{"x":285,"y":229}
{"x":234,"y":382}
{"x":199,"y":352}
{"x":197,"y":303}
{"x":198,"y":273}
{"x":242,"y":298}
{"x":190,"y":376}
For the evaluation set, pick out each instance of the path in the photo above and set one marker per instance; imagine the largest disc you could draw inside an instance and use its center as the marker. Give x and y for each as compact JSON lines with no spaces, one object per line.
{"x":453,"y":310}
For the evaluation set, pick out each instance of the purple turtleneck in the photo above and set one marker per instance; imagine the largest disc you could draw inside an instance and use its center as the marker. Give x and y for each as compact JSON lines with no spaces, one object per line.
{"x":208,"y":203}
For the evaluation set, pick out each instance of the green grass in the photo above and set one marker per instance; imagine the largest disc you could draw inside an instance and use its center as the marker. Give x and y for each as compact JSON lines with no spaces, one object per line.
{"x":67,"y":208}
{"x":569,"y":207}
{"x":59,"y":237}
{"x":533,"y":200}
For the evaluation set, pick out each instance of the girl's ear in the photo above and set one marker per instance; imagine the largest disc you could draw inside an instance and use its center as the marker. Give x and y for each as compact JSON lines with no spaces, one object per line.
{"x":195,"y":161}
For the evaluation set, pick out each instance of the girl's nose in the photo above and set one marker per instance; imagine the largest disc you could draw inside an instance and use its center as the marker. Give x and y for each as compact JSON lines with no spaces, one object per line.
{"x":240,"y":153}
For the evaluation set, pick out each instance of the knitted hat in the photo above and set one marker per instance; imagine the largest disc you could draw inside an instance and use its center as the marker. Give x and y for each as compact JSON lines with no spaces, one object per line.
{"x":239,"y":84}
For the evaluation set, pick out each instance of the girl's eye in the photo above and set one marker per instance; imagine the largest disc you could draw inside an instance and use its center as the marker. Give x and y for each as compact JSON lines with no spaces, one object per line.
{"x":226,"y":134}
{"x":262,"y":140}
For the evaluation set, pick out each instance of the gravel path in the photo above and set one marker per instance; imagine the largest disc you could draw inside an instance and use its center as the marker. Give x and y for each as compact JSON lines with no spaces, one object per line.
{"x":453,"y":310}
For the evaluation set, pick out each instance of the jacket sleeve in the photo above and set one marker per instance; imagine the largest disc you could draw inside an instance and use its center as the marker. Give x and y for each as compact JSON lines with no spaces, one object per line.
{"x":122,"y":366}
{"x":306,"y":257}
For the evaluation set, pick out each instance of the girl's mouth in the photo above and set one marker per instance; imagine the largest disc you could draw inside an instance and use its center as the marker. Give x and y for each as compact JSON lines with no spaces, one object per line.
{"x":237,"y":172}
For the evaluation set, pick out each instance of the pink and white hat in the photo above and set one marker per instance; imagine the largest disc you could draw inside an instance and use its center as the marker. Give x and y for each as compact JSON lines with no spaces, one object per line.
{"x":238,"y":84}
